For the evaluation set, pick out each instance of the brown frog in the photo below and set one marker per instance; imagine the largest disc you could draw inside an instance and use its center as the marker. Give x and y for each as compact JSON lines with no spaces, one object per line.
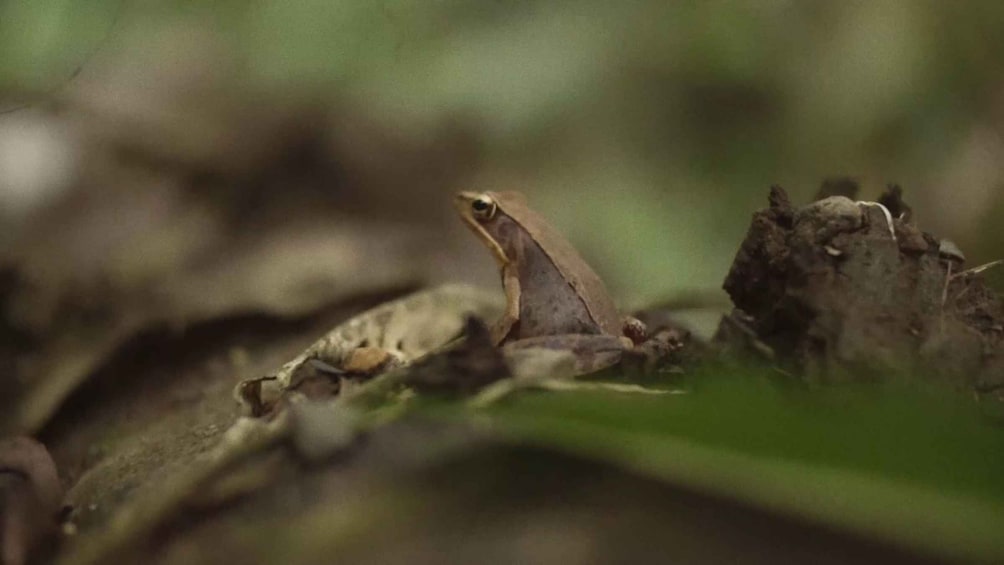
{"x":553,"y":298}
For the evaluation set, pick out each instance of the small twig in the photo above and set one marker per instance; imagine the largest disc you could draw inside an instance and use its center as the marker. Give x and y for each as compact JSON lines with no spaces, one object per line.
{"x":886,"y":212}
{"x":980,"y":269}
{"x":497,"y":391}
{"x":944,"y":289}
{"x":90,"y":54}
{"x":944,"y":296}
{"x":564,"y":385}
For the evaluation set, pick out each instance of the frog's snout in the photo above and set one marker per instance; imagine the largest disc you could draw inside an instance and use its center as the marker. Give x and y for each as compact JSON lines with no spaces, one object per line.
{"x":462,"y":200}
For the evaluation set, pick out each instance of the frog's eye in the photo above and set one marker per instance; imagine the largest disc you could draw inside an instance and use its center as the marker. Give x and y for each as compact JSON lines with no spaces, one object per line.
{"x":483,"y":208}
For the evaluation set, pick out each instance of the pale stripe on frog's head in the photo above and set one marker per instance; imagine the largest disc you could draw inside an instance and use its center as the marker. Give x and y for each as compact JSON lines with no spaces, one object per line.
{"x":478,"y":210}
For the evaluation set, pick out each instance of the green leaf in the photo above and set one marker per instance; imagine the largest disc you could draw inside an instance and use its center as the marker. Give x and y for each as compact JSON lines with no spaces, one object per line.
{"x":917,"y":468}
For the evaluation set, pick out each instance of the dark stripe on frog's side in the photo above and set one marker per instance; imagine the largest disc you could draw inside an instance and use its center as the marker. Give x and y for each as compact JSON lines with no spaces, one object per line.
{"x":574,"y":270}
{"x":549,"y":305}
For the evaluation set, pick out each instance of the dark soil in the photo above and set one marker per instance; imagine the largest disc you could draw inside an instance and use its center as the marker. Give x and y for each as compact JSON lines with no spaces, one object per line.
{"x":828,"y":293}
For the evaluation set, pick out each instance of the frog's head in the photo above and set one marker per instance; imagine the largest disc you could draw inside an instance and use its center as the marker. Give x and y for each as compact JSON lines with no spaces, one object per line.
{"x":483,"y":214}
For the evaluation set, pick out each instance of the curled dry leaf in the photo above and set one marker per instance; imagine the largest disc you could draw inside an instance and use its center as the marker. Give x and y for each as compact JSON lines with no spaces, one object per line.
{"x":396,"y":333}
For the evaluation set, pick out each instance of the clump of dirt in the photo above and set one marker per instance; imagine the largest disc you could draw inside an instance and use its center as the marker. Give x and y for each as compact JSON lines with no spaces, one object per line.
{"x":841,"y":289}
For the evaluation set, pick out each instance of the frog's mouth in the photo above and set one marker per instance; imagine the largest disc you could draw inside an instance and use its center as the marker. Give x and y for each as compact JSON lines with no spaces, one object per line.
{"x":462,"y":201}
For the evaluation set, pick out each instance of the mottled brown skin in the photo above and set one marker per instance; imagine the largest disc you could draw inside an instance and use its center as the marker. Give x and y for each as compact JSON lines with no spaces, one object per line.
{"x":550,"y":290}
{"x":547,"y":303}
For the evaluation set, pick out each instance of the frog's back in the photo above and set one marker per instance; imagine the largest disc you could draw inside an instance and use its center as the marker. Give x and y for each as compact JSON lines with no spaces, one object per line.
{"x":569,"y":263}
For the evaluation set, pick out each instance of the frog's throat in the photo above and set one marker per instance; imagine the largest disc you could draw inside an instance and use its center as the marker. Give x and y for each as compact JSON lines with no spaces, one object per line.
{"x":489,"y":241}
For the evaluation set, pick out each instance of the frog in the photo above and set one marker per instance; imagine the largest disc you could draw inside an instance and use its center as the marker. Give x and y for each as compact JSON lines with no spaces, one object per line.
{"x":553,"y":298}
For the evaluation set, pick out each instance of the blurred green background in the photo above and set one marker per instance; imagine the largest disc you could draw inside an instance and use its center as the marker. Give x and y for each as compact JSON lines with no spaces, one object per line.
{"x":649,"y":131}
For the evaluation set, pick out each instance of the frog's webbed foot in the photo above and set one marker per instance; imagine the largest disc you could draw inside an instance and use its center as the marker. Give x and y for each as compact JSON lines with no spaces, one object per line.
{"x":660,"y":350}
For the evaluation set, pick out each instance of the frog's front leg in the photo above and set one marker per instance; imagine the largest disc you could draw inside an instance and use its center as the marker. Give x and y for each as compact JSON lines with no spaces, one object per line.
{"x":510,"y":317}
